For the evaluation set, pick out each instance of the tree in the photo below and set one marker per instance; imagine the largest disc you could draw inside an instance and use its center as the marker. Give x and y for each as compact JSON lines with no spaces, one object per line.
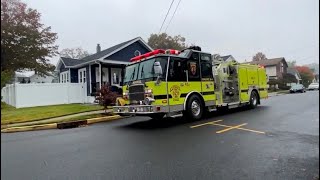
{"x":259,"y":56}
{"x":74,"y":53}
{"x":306,"y":74}
{"x":105,"y":97}
{"x":26,"y":43}
{"x":164,"y":41}
{"x":291,"y":63}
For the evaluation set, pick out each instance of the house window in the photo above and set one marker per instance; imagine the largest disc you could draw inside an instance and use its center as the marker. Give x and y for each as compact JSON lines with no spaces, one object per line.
{"x":116,"y":75}
{"x":64,"y":77}
{"x":82,"y":75}
{"x":281,"y":68}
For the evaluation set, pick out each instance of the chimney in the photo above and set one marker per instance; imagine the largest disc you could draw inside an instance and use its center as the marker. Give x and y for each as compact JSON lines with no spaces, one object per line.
{"x":98,"y":48}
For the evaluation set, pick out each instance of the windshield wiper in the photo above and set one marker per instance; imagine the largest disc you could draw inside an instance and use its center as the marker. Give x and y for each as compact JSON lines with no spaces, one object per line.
{"x":132,"y":76}
{"x":142,"y":72}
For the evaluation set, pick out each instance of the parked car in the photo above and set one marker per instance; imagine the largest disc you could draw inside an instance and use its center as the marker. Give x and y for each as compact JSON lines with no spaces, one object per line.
{"x":313,"y":86}
{"x":297,"y":88}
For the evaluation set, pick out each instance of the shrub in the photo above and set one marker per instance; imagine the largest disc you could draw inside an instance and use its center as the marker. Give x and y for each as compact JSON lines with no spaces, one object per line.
{"x":105,"y":97}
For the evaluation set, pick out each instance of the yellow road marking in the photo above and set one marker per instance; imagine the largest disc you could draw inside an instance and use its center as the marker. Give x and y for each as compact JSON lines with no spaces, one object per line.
{"x":245,"y":129}
{"x":232,"y":127}
{"x":208,"y":123}
{"x":222,"y":125}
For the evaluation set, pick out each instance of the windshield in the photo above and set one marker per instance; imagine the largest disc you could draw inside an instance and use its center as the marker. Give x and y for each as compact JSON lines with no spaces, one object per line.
{"x":144,"y":70}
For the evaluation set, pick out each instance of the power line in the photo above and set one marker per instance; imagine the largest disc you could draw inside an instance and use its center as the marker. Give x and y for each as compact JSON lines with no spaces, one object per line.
{"x":172,"y":15}
{"x":166,"y":16}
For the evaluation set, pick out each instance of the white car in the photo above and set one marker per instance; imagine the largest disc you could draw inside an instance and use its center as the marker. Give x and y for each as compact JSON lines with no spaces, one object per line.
{"x":313,"y":86}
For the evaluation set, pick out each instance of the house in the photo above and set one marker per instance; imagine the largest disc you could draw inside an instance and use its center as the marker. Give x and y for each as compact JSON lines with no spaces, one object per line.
{"x":294,"y":72}
{"x":316,"y":78}
{"x":275,"y":68}
{"x":32,"y":77}
{"x":228,"y":58}
{"x":103,"y":67}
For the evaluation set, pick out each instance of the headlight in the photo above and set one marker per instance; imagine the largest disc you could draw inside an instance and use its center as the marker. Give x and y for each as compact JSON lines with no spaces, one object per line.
{"x":148,"y":91}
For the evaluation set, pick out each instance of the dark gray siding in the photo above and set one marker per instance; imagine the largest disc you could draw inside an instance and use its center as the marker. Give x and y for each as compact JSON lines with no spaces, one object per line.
{"x":63,"y":68}
{"x":128,"y":52}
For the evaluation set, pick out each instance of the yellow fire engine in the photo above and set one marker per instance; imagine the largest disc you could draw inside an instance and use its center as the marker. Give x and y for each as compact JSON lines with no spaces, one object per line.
{"x":189,"y":82}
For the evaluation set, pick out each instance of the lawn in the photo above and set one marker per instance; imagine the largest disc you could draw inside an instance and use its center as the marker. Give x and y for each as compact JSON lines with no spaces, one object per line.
{"x":11,"y":115}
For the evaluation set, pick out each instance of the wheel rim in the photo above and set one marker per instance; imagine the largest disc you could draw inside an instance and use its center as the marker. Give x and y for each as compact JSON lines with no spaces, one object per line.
{"x":195,"y":108}
{"x":254,"y":99}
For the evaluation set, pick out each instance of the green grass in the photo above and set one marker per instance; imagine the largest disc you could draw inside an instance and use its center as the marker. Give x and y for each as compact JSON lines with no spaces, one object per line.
{"x":11,"y":115}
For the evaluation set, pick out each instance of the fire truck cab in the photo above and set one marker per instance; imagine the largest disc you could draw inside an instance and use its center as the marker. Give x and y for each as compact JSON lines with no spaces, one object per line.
{"x":172,"y":83}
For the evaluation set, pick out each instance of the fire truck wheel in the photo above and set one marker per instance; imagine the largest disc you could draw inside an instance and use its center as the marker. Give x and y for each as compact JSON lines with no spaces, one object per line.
{"x":194,"y":108}
{"x":253,"y":100}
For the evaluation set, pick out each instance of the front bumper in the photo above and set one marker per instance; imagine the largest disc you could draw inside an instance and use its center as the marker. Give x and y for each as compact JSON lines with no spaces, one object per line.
{"x":139,"y":109}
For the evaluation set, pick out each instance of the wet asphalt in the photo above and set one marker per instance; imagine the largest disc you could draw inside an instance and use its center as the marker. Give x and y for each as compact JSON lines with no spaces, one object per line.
{"x":140,"y":149}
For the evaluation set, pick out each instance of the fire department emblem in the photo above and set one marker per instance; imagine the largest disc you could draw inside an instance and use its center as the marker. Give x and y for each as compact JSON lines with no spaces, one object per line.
{"x":175,"y":92}
{"x":193,"y":68}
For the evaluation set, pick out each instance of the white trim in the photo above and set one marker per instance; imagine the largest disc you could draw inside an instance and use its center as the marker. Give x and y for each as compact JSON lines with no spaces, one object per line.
{"x":100,"y":69}
{"x":98,"y":60}
{"x":59,"y":64}
{"x":90,"y":79}
{"x":114,"y":62}
{"x":63,"y":77}
{"x":69,"y":75}
{"x":83,"y":75}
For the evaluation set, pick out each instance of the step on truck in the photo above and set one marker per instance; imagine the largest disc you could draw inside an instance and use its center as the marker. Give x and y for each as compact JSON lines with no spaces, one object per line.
{"x":171,"y":83}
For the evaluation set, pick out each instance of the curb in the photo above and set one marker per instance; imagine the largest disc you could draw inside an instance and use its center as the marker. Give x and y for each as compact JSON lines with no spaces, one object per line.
{"x":30,"y":128}
{"x":58,"y":125}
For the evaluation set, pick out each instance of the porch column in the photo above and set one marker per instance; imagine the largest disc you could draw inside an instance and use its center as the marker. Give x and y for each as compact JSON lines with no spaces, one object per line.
{"x":90,"y":79}
{"x":100,"y":71}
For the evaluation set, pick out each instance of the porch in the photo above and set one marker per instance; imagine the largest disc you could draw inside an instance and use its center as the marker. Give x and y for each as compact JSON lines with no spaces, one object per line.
{"x":104,"y":74}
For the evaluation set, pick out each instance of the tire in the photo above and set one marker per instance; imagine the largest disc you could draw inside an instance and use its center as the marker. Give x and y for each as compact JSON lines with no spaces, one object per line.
{"x":194,"y":108}
{"x":253,"y":100}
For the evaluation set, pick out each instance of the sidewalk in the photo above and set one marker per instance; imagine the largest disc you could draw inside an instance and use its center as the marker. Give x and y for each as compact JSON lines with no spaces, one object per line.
{"x":56,"y":119}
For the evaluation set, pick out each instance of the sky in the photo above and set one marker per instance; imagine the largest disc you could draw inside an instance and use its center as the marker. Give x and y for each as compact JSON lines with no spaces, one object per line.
{"x":278,"y":28}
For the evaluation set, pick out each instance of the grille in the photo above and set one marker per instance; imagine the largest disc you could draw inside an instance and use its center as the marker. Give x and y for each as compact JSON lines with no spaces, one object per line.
{"x":136,"y":93}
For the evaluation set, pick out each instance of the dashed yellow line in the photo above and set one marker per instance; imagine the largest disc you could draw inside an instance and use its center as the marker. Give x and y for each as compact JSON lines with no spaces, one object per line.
{"x":208,"y":123}
{"x":231,"y":127}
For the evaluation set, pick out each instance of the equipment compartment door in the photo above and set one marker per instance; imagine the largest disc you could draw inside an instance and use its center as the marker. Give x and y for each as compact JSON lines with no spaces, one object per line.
{"x":243,"y":84}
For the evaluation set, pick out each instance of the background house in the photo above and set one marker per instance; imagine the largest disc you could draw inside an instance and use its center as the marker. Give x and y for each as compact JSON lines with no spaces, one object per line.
{"x":275,"y":68}
{"x":293,"y":71}
{"x":227,"y":58}
{"x":98,"y":69}
{"x":32,"y":77}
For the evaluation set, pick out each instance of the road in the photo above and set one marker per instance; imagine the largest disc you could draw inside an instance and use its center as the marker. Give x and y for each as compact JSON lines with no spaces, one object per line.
{"x":283,"y":144}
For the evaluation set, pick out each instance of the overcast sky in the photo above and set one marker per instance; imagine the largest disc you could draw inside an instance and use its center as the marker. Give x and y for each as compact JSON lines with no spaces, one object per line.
{"x":278,"y":28}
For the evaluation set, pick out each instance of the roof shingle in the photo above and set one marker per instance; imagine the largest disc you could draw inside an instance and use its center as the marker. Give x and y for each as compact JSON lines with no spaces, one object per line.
{"x":269,"y":62}
{"x":69,"y":61}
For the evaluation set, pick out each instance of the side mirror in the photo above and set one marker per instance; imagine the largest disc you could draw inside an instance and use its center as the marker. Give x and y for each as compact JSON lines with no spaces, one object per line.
{"x":157,"y":68}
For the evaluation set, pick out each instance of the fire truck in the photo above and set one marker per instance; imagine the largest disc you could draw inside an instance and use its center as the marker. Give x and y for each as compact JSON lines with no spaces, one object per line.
{"x":171,"y":83}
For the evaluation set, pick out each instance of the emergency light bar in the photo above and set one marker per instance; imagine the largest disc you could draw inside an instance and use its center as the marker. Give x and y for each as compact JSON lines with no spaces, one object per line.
{"x":155,"y":52}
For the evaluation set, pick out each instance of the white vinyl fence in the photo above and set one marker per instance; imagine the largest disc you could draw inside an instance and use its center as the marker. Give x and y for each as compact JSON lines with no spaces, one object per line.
{"x":29,"y":95}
